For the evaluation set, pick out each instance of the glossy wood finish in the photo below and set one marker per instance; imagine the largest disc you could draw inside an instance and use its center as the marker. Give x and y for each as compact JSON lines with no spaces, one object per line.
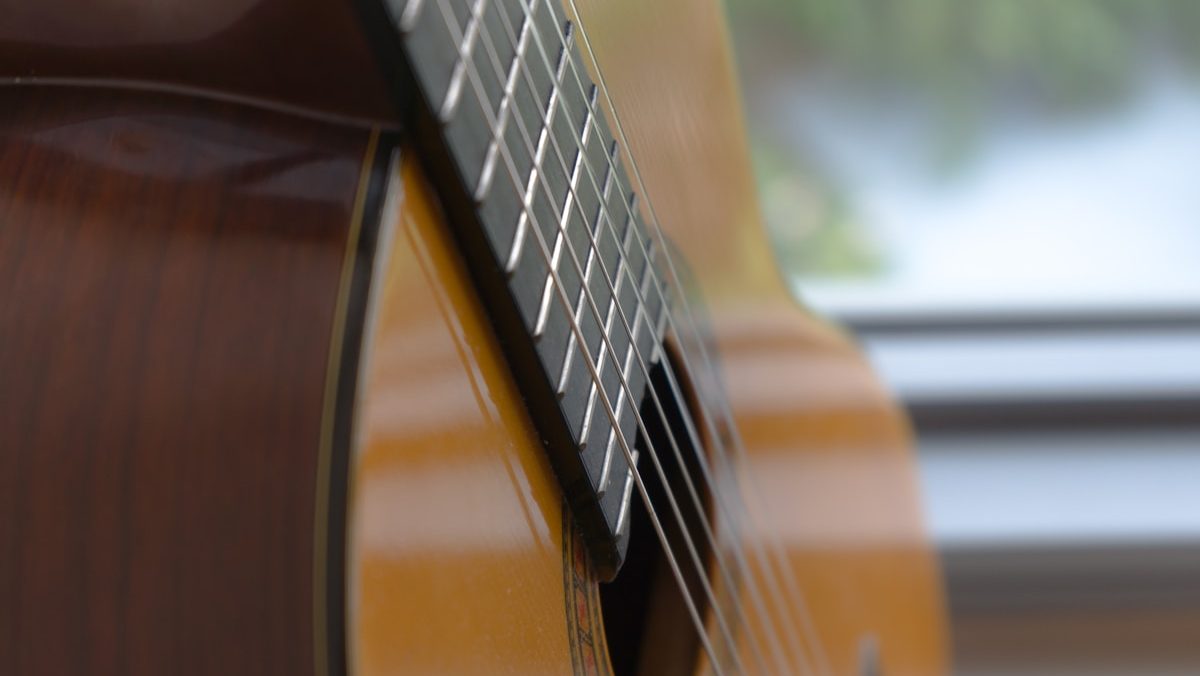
{"x":169,"y":270}
{"x":306,"y":54}
{"x":457,"y":538}
{"x":828,"y":450}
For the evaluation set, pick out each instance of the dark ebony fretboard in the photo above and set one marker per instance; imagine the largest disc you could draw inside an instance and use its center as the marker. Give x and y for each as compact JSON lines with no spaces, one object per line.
{"x":505,"y":101}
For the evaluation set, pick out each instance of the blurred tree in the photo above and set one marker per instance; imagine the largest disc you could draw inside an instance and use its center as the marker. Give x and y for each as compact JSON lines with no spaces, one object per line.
{"x":960,"y":60}
{"x":1064,"y":52}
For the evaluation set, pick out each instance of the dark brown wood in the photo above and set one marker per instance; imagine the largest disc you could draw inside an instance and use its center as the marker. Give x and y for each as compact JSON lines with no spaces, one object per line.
{"x":169,"y":270}
{"x":310,"y":54}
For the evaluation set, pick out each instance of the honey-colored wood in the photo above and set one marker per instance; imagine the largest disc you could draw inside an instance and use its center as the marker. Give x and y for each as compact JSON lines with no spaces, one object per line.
{"x":456,"y":521}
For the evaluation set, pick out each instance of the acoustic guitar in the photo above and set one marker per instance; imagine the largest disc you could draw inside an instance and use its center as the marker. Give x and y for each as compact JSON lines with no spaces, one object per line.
{"x":422,"y":336}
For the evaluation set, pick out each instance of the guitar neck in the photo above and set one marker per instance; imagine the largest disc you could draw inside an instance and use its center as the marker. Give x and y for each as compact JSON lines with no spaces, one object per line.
{"x":551,"y":226}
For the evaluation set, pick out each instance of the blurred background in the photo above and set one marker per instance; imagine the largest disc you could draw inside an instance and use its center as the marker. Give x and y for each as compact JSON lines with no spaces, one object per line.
{"x":1002,"y":199}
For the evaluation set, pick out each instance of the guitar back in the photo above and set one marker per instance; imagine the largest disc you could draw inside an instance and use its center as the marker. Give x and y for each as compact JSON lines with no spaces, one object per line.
{"x":257,"y":413}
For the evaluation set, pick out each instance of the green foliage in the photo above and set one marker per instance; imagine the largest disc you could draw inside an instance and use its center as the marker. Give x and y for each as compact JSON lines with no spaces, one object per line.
{"x":960,"y":59}
{"x":1062,"y":52}
{"x":811,"y":226}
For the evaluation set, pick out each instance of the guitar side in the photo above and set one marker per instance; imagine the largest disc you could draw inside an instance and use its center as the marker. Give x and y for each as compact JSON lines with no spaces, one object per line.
{"x":462,"y":556}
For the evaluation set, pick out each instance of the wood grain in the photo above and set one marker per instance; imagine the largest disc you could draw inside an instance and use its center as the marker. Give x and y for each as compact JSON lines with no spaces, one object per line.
{"x":168,"y":278}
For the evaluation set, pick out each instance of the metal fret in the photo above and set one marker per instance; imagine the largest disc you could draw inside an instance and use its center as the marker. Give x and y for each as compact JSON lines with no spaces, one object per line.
{"x":459,"y":75}
{"x":622,"y":273}
{"x":556,"y":255}
{"x":543,"y":142}
{"x":518,"y":245}
{"x":623,"y":514}
{"x":593,"y":255}
{"x":539,"y":327}
{"x":506,"y":112}
{"x":593,"y":390}
{"x":408,"y":17}
{"x":626,"y":365}
{"x":626,"y":362}
{"x":601,"y":361}
{"x":560,"y":237}
{"x":600,"y":367}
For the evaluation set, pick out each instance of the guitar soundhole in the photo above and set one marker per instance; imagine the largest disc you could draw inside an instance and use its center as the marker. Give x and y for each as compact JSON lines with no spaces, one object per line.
{"x":646,"y":620}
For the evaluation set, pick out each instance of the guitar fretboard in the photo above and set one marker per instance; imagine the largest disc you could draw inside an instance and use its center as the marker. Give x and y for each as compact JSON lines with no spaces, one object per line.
{"x":505,"y":87}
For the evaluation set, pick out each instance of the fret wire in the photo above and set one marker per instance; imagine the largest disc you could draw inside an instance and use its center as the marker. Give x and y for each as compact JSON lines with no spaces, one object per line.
{"x":564,"y":379}
{"x":560,"y":240}
{"x":586,"y":429}
{"x":539,"y":327}
{"x":758,"y":603}
{"x":624,"y":513}
{"x":555,"y":259}
{"x":518,"y":245}
{"x":609,"y":316}
{"x":629,"y":453}
{"x":626,"y":364}
{"x":408,"y":18}
{"x":466,"y":47}
{"x":514,"y":257}
{"x":593,"y":254}
{"x":776,"y":561}
{"x":506,"y":107}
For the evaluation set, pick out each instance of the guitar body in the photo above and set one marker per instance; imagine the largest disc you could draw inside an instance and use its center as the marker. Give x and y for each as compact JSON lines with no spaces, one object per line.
{"x":257,"y":417}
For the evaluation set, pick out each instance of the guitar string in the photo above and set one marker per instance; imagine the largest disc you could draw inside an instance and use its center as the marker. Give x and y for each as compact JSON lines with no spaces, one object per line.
{"x":777,"y":566}
{"x":607,"y":219}
{"x":786,"y":573}
{"x":514,"y":42}
{"x":674,"y":384}
{"x":557,"y":286}
{"x":770,"y":572}
{"x":625,"y":205}
{"x":765,"y":561}
{"x":585,"y":274}
{"x":630,"y":454}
